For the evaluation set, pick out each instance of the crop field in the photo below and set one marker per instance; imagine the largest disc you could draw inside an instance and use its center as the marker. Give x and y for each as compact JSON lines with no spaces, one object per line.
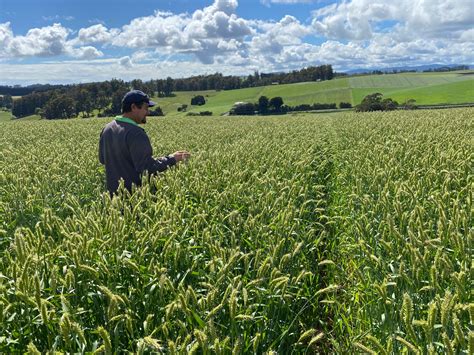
{"x":407,"y":80}
{"x":330,"y":233}
{"x":425,"y":88}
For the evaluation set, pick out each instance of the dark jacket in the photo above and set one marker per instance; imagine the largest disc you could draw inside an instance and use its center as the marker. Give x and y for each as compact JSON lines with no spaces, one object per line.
{"x":126,"y":152}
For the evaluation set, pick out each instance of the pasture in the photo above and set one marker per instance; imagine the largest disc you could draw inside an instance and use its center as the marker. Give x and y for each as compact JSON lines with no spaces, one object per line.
{"x":5,"y":116}
{"x":425,"y":88}
{"x":301,"y":233}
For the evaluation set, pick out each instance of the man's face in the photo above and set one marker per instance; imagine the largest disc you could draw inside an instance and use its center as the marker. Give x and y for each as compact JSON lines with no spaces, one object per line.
{"x":141,"y":112}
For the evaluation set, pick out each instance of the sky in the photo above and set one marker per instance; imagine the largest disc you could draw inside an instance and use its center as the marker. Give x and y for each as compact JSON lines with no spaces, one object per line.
{"x":77,"y":41}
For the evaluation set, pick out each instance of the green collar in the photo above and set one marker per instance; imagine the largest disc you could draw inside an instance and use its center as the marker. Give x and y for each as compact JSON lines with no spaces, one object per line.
{"x":126,"y":120}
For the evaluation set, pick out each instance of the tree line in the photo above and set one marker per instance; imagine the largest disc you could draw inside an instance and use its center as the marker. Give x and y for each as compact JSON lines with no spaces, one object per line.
{"x":218,"y":81}
{"x":275,"y":105}
{"x":447,"y":69}
{"x":72,"y":101}
{"x":104,"y":98}
{"x":6,"y":102}
{"x":18,"y":90}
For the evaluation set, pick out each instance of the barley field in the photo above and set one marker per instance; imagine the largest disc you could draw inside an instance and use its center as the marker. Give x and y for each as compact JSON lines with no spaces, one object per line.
{"x":341,"y":233}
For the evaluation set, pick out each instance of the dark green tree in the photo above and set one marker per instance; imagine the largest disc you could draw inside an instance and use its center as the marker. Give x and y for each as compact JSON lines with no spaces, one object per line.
{"x":375,"y":102}
{"x":137,"y":84}
{"x":389,"y":104}
{"x":83,"y":102}
{"x":372,"y":102}
{"x":263,"y":105}
{"x":276,"y":103}
{"x":116,"y":105}
{"x":244,"y":108}
{"x":58,"y":107}
{"x":156,"y":111}
{"x":409,"y":104}
{"x":159,"y":87}
{"x":198,"y":100}
{"x":6,"y":101}
{"x":182,"y":108}
{"x":168,"y":86}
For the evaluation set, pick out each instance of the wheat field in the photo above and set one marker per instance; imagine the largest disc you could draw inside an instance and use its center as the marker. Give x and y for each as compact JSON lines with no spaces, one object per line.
{"x":340,"y":233}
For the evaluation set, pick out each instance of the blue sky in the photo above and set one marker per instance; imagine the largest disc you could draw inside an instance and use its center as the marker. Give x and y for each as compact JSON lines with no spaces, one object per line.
{"x":78,"y":13}
{"x":57,"y":41}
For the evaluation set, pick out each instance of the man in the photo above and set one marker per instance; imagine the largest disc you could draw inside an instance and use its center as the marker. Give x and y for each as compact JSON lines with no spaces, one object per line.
{"x":125,"y":149}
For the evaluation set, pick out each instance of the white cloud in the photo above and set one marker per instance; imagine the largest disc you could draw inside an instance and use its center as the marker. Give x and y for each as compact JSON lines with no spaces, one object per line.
{"x":96,"y":34}
{"x":151,"y":31}
{"x":126,"y":62}
{"x":231,"y":45}
{"x":96,"y":21}
{"x":42,"y":42}
{"x":87,"y":52}
{"x":218,"y":21}
{"x":226,"y":6}
{"x":47,"y":41}
{"x":416,"y":18}
{"x":58,"y":18}
{"x":352,"y":20}
{"x":466,"y":36}
{"x":6,"y":35}
{"x":275,"y":36}
{"x":208,"y":32}
{"x":140,"y":56}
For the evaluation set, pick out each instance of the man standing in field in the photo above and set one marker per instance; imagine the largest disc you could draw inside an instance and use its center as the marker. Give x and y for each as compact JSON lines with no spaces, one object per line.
{"x":125,"y":149}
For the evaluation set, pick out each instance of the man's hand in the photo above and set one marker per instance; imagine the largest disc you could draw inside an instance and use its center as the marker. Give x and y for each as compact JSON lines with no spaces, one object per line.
{"x":181,"y":155}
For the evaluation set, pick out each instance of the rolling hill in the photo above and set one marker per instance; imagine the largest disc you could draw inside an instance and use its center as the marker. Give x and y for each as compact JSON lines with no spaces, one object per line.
{"x":425,"y":88}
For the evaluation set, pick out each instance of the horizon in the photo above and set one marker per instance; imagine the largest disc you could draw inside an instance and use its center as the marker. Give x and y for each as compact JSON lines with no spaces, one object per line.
{"x":348,"y":73}
{"x":84,"y":41}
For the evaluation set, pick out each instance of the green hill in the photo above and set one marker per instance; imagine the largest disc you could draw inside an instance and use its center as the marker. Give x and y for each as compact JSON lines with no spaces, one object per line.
{"x":218,"y":102}
{"x":5,"y":116}
{"x":425,"y":88}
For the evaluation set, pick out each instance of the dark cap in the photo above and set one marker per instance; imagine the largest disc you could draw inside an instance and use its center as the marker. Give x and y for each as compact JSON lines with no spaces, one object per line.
{"x":137,"y":96}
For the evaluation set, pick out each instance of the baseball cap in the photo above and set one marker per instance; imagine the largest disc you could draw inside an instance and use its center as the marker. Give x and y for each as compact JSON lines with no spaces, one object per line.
{"x":136,"y":96}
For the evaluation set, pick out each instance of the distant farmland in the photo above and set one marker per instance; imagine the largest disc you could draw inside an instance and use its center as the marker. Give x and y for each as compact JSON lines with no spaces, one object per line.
{"x":425,"y":88}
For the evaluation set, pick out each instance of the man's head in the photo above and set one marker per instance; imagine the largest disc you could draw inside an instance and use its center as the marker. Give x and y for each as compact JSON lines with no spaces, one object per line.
{"x":135,"y":105}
